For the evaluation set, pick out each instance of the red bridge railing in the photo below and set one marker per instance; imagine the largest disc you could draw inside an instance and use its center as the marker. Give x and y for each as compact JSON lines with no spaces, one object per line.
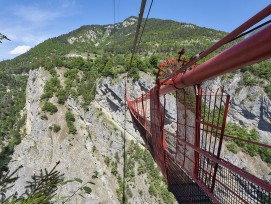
{"x":187,"y":145}
{"x":189,"y":154}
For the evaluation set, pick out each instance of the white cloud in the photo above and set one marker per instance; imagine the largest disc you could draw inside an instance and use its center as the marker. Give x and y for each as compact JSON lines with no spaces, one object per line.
{"x":36,"y":15}
{"x":67,"y":3}
{"x":32,"y":39}
{"x":32,"y":23}
{"x":43,"y":14}
{"x":20,"y":49}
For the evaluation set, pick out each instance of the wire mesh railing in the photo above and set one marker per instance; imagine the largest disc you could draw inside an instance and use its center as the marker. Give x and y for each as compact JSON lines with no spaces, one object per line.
{"x":189,"y":155}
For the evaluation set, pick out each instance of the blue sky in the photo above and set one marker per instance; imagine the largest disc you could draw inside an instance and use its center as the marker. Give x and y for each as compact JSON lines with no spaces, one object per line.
{"x":30,"y":22}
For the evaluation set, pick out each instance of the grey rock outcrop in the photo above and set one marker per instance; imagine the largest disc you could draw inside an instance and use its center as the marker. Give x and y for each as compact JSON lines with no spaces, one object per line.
{"x":249,"y":105}
{"x":99,"y":136}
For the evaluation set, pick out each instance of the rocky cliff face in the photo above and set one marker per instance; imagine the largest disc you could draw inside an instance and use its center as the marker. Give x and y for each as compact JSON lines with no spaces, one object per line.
{"x":99,"y":138}
{"x":249,"y":105}
{"x":98,"y":141}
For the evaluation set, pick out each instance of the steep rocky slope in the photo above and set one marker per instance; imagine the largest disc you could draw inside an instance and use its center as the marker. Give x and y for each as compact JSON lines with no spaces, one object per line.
{"x":249,"y":105}
{"x":96,"y":148}
{"x":97,"y":144}
{"x":100,"y":136}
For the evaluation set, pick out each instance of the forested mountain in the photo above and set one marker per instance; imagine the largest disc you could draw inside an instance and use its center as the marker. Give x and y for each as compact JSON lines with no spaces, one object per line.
{"x":102,"y":47}
{"x":105,"y":50}
{"x":160,"y":37}
{"x":61,"y":77}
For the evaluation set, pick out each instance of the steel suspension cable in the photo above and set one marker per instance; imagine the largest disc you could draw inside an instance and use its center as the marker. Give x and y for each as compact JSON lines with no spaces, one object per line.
{"x":246,"y":25}
{"x":118,"y":10}
{"x":251,"y":30}
{"x":124,"y":146}
{"x":143,"y":29}
{"x":142,"y":8}
{"x":125,"y":109}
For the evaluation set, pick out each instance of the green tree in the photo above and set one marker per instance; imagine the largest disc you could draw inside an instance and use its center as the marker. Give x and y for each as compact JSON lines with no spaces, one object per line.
{"x":55,"y":127}
{"x":70,"y":122}
{"x":76,"y":63}
{"x":69,"y":116}
{"x":49,"y":107}
{"x":42,"y":188}
{"x":153,"y":61}
{"x":61,"y":96}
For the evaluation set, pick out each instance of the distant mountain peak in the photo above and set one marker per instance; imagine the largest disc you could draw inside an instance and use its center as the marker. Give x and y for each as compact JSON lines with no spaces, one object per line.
{"x":131,"y":18}
{"x":129,"y":21}
{"x":160,"y":36}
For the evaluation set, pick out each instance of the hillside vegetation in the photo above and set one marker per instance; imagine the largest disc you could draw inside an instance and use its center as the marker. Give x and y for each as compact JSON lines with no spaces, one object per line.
{"x":102,"y":50}
{"x":160,"y":37}
{"x":94,"y":51}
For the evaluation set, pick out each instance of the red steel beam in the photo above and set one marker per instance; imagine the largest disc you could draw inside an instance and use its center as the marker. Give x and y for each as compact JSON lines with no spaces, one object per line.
{"x":257,"y":181}
{"x":246,"y":25}
{"x":248,"y":141}
{"x":251,"y":50}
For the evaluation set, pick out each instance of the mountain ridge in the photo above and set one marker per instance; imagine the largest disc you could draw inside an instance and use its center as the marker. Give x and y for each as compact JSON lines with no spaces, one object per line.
{"x":81,"y":78}
{"x":167,"y":34}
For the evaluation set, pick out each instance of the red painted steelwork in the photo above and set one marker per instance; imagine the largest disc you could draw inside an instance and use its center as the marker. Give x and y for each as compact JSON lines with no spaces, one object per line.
{"x":251,"y":50}
{"x":249,"y":23}
{"x":189,"y":156}
{"x":213,"y":177}
{"x":248,"y":141}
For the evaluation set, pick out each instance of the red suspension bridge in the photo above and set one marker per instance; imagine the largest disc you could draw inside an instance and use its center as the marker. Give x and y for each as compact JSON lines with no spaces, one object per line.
{"x":189,"y":156}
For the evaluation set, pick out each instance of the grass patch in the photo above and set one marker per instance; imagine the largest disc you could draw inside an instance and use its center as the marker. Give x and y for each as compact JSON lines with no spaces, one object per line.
{"x":146,"y":164}
{"x":56,"y":128}
{"x":251,"y":149}
{"x":70,"y":119}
